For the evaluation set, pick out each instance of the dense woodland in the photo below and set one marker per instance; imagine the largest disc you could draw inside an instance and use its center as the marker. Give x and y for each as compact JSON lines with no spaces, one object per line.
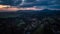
{"x":30,"y":22}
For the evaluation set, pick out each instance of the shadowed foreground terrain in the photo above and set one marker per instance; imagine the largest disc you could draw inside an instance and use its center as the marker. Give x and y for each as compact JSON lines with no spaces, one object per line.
{"x":30,"y":22}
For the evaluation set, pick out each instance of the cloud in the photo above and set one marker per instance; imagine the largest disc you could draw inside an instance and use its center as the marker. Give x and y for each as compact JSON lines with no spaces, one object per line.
{"x":1,"y":1}
{"x":41,"y":3}
{"x":14,"y":8}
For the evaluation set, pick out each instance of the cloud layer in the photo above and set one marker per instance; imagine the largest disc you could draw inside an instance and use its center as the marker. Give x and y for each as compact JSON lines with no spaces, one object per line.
{"x":27,"y":3}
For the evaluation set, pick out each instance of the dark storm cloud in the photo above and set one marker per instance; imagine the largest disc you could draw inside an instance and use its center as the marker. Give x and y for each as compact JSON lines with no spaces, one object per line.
{"x":43,"y":3}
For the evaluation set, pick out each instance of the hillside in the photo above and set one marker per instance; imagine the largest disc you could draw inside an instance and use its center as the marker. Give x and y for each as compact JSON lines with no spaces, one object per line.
{"x":30,"y":22}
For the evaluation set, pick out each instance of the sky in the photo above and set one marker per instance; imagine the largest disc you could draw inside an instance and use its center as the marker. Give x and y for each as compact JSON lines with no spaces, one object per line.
{"x":29,"y":3}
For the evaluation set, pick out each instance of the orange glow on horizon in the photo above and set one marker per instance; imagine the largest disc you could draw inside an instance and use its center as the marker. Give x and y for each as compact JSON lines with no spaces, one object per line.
{"x":13,"y":8}
{"x":3,"y":6}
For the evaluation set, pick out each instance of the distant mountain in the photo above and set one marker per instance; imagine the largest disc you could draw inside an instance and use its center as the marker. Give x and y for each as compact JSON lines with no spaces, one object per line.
{"x":30,"y":13}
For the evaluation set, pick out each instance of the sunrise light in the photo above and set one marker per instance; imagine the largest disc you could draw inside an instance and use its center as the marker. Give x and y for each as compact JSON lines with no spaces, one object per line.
{"x":14,"y":8}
